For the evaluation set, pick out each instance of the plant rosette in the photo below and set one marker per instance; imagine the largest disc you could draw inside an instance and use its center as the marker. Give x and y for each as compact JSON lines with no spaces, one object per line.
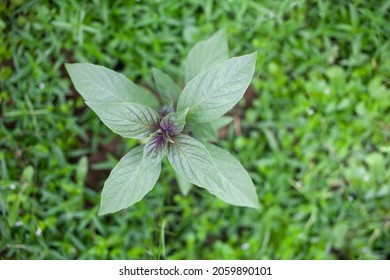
{"x":180,"y":129}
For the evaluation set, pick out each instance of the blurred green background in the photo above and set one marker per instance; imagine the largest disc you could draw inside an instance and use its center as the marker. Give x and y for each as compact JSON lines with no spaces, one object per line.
{"x":313,"y":131}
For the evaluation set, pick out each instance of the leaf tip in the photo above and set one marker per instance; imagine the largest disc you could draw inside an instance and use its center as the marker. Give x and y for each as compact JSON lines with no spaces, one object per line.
{"x":184,"y":112}
{"x":257,"y":206}
{"x":101,"y":212}
{"x":223,"y":31}
{"x":253,"y":54}
{"x":68,"y":67}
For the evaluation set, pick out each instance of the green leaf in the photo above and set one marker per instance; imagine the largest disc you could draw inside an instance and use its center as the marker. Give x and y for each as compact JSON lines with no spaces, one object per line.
{"x":150,"y":100}
{"x":13,"y":212}
{"x":238,"y":186}
{"x":190,"y":159}
{"x":167,"y":88}
{"x":99,"y":84}
{"x":28,"y":173}
{"x":205,"y":54}
{"x":174,"y":122}
{"x":127,"y":119}
{"x":184,"y":185}
{"x":221,"y":122}
{"x":82,"y":170}
{"x":215,"y":91}
{"x":155,"y":149}
{"x":128,"y":182}
{"x":204,"y":132}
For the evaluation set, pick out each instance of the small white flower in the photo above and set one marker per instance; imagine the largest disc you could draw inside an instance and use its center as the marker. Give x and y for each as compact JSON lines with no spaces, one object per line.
{"x":350,"y":198}
{"x":310,"y":111}
{"x":245,"y":246}
{"x":41,"y":85}
{"x":38,"y":232}
{"x":12,"y":186}
{"x":366,"y":178}
{"x":298,"y":184}
{"x":18,"y":223}
{"x":327,"y":91}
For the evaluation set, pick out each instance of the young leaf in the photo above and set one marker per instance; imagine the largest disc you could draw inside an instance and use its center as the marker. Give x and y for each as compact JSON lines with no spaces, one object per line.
{"x":167,"y":88}
{"x":221,"y":122}
{"x":209,"y":131}
{"x":98,"y":84}
{"x":205,"y":54}
{"x":174,"y":123}
{"x":150,"y":100}
{"x":165,"y":110}
{"x":127,"y":119}
{"x":190,"y":159}
{"x":155,"y":149}
{"x":204,"y":132}
{"x":184,"y":185}
{"x":128,"y":182}
{"x":239,"y":188}
{"x":215,"y":91}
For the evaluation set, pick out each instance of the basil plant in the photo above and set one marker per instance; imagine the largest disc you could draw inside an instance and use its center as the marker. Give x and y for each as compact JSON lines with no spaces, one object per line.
{"x":180,"y":129}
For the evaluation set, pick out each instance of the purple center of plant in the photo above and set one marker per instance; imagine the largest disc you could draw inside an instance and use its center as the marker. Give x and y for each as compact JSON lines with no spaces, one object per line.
{"x":159,"y":140}
{"x":168,"y":128}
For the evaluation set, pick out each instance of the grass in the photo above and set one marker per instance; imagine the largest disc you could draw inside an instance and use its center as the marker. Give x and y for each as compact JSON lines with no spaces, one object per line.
{"x":313,"y":131}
